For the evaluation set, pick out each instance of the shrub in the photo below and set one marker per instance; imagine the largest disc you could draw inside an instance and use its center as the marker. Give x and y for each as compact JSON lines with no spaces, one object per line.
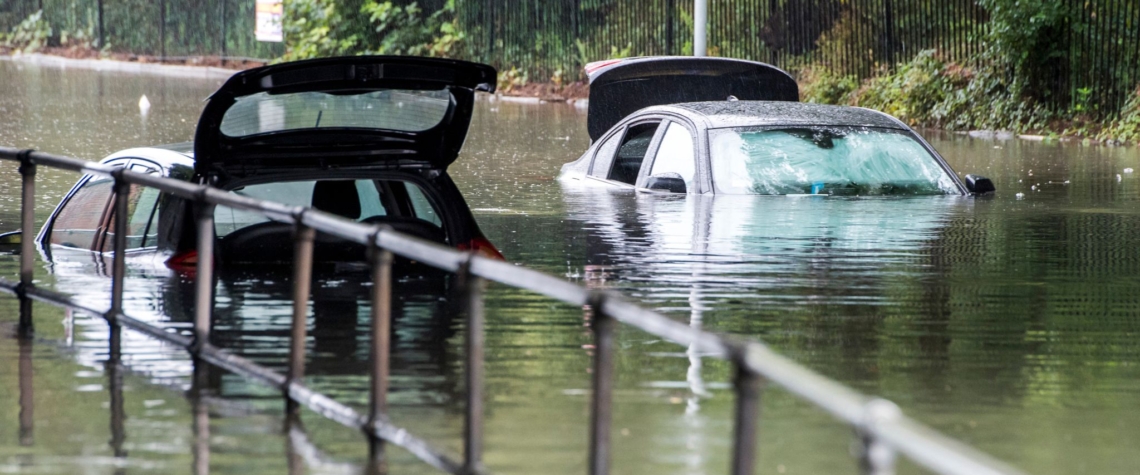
{"x":1127,"y":127}
{"x":821,"y":86}
{"x":404,"y":30}
{"x":315,"y":28}
{"x":31,"y":35}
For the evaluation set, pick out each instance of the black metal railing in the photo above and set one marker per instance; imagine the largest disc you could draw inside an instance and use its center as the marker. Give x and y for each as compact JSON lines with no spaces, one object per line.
{"x":882,"y":431}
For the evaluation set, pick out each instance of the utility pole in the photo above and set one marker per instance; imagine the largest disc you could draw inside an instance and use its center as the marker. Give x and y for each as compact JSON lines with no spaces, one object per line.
{"x":700,"y":27}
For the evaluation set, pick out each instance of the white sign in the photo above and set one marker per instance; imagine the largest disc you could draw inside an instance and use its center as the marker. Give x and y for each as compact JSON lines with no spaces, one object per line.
{"x":269,"y":14}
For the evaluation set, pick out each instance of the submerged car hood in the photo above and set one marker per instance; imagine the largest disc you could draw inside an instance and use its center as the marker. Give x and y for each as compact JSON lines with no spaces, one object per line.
{"x":348,"y":111}
{"x":621,"y":87}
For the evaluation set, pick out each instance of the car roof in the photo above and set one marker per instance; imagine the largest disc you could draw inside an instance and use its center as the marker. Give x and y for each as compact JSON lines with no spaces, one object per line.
{"x":180,"y":154}
{"x":720,"y":114}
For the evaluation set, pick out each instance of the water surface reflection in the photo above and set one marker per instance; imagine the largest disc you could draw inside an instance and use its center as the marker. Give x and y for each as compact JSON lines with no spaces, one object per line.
{"x":1009,"y":323}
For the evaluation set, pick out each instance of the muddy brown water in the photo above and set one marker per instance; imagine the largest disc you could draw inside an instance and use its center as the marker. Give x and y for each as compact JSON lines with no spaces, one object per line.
{"x":1009,"y":323}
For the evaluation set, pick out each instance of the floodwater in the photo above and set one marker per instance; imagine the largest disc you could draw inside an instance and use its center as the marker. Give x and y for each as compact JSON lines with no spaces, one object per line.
{"x":1010,"y":323}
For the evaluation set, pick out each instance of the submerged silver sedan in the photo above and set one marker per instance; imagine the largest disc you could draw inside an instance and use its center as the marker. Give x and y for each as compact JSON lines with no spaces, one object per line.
{"x":680,"y":141}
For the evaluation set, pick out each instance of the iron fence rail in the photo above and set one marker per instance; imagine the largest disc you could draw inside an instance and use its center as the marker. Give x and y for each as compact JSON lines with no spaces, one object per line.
{"x":881,"y":427}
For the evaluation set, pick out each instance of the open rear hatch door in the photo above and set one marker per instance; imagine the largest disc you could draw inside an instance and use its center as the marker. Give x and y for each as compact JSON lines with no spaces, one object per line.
{"x":621,"y":87}
{"x":340,"y":112}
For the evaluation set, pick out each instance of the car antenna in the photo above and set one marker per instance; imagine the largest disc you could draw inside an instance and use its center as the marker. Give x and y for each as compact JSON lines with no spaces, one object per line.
{"x":319,"y":114}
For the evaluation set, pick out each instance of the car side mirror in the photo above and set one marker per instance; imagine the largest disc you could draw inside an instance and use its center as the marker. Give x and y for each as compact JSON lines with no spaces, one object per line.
{"x":13,"y":237}
{"x":671,"y":182}
{"x":10,"y":242}
{"x":979,"y":185}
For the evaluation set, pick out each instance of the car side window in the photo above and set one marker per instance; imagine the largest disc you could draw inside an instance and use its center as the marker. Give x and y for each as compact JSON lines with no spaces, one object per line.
{"x":631,"y":153}
{"x":357,"y":200}
{"x":290,"y":193}
{"x":604,"y":158}
{"x":676,"y":155}
{"x":77,"y":223}
{"x":422,"y":206}
{"x":142,"y":207}
{"x":371,"y":203}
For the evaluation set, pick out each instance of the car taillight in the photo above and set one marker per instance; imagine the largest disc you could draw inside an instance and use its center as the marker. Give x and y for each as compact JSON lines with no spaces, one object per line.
{"x":483,"y":247}
{"x":183,"y":260}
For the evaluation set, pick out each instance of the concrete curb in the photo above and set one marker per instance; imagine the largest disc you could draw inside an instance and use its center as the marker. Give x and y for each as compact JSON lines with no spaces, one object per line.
{"x":130,"y":67}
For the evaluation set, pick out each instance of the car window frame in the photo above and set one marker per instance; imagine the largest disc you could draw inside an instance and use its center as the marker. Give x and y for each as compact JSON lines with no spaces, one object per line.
{"x":622,"y":129}
{"x":44,"y":237}
{"x":154,"y":213}
{"x":700,"y":160}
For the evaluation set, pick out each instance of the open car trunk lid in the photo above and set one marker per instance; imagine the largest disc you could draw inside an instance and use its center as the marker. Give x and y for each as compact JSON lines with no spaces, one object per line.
{"x":621,"y":87}
{"x":331,"y":112}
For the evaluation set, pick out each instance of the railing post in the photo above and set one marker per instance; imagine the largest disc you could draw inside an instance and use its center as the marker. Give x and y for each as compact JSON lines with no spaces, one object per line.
{"x":875,"y":457}
{"x":748,"y":387}
{"x":381,"y":260}
{"x":601,"y":410}
{"x":119,"y":264}
{"x":27,"y":237}
{"x":115,"y":387}
{"x":201,"y":412}
{"x":294,"y":460}
{"x":204,"y":279}
{"x":302,"y":281}
{"x":118,"y":279}
{"x":27,"y":392}
{"x":471,"y":288}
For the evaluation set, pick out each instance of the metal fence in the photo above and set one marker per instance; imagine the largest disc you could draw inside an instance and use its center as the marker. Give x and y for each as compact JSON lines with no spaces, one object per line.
{"x":882,"y":430}
{"x":1098,"y":64}
{"x":167,"y":28}
{"x":1097,"y":68}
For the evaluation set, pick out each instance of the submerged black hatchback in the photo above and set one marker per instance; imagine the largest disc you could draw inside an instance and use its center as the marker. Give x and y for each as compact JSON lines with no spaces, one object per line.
{"x":368,"y":138}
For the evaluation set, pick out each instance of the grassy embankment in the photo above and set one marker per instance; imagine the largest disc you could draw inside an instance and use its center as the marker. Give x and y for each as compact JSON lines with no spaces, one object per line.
{"x":1019,"y":80}
{"x":930,"y":91}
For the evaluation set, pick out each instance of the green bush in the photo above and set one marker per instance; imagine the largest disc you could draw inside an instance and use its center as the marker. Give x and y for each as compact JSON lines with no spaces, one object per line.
{"x":404,"y":30}
{"x":31,"y":35}
{"x":1023,"y":37}
{"x":318,"y":28}
{"x":315,"y":28}
{"x":1127,"y":127}
{"x":931,"y":91}
{"x":912,"y":92}
{"x":822,"y":86}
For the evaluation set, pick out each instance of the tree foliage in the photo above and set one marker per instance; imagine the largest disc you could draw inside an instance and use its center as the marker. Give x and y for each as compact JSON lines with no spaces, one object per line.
{"x":1023,"y":37}
{"x":315,"y":28}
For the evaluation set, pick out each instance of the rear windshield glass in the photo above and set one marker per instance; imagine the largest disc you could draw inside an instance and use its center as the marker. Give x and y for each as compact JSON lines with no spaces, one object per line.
{"x":824,"y":160}
{"x":389,"y":109}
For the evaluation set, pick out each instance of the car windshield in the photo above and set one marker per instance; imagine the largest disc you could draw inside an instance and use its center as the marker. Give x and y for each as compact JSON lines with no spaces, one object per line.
{"x":824,"y":160}
{"x":389,"y":109}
